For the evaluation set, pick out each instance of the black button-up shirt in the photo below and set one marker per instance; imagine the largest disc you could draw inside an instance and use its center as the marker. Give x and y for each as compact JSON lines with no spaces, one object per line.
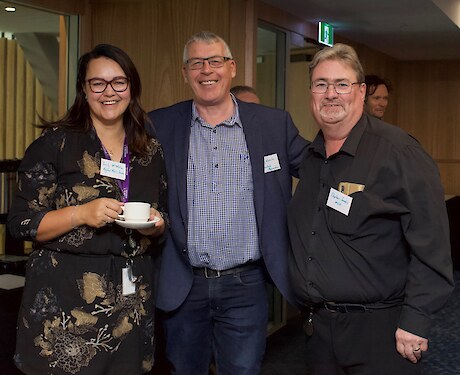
{"x":393,"y":246}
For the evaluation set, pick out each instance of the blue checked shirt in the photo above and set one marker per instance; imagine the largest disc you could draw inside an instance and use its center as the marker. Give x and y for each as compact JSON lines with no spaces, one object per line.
{"x":222,"y":229}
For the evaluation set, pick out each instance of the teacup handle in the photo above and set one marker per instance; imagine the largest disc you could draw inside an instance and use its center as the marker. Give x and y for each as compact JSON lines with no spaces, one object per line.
{"x":121,"y":216}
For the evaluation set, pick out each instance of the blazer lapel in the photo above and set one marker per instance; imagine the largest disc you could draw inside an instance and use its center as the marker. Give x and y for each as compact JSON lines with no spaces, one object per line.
{"x":182,"y":139}
{"x":254,"y":140}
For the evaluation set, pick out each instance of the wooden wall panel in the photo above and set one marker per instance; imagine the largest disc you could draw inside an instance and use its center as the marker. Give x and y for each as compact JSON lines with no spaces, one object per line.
{"x":242,"y":40}
{"x":450,"y":176}
{"x":31,"y":132}
{"x":3,"y":54}
{"x":21,"y":101}
{"x":153,"y":33}
{"x":9,"y":89}
{"x":428,"y":108}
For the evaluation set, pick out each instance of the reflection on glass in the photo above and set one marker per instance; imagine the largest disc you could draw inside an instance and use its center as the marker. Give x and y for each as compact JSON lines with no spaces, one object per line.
{"x":29,"y":74}
{"x":29,"y":51}
{"x":271,"y":65}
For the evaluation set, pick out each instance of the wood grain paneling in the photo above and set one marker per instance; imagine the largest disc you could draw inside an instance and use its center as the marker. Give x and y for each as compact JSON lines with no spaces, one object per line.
{"x":428,"y":108}
{"x":63,"y":71}
{"x":21,"y":101}
{"x":9,"y":89}
{"x":450,"y":176}
{"x":3,"y":95}
{"x":242,"y":40}
{"x":153,"y":33}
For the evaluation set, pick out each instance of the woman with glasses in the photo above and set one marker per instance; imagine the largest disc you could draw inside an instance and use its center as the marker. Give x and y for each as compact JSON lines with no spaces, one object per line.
{"x":88,"y":304}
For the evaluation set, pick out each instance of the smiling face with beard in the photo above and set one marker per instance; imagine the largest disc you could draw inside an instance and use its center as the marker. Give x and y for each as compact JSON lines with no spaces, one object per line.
{"x":336,"y":114}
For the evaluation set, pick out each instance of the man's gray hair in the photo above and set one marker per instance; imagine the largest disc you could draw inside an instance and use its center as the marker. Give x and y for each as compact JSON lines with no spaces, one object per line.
{"x":208,"y":38}
{"x":339,"y":52}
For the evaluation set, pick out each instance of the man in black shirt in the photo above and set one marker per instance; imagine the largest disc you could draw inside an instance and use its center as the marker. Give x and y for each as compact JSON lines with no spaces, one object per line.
{"x":370,"y":259}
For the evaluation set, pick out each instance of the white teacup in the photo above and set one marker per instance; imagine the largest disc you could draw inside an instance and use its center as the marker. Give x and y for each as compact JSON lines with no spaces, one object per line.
{"x":136,"y":211}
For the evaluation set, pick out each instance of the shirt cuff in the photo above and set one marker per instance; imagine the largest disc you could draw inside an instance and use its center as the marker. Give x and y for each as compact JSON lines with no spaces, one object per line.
{"x":415,"y":322}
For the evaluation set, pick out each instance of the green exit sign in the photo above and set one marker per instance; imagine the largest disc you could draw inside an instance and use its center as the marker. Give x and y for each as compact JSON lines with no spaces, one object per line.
{"x":325,"y":34}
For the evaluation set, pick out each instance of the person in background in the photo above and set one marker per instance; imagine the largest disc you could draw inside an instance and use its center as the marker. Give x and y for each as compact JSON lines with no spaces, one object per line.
{"x":245,"y":93}
{"x":377,"y":91}
{"x":370,"y":260}
{"x":229,"y":164}
{"x":88,"y":304}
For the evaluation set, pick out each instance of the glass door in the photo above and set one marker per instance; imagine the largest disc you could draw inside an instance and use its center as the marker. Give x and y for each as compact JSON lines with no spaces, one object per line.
{"x":271,"y":65}
{"x":38,"y":54}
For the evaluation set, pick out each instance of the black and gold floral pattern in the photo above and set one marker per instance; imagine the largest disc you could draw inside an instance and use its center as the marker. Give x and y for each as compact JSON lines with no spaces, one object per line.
{"x":74,"y":317}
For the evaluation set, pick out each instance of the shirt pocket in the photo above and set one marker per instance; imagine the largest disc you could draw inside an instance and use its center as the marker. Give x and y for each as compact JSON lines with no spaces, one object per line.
{"x":244,"y":172}
{"x":352,"y":224}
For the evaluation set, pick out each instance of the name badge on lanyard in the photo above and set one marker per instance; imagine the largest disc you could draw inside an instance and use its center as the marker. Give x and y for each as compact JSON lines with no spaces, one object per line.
{"x":113,"y":169}
{"x":119,"y":171}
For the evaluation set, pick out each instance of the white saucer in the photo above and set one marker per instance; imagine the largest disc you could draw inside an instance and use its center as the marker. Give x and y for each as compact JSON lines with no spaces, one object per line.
{"x":137,"y":224}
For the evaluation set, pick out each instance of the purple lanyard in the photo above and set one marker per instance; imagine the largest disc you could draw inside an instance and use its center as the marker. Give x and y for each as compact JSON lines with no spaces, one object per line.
{"x":122,"y":184}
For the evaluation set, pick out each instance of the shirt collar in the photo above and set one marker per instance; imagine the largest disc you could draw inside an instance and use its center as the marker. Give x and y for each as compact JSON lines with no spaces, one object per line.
{"x":233,"y":120}
{"x":351,"y":143}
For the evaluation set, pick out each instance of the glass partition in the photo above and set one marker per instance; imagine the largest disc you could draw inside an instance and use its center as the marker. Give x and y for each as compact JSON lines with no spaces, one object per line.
{"x":38,"y":54}
{"x":271,"y":65}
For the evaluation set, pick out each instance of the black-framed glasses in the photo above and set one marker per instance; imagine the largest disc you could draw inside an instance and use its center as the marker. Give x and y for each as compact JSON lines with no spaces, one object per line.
{"x":196,"y":63}
{"x":341,"y":87}
{"x":98,"y":85}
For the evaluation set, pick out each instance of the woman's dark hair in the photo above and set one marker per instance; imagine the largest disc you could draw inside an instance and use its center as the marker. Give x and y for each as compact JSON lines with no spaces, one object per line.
{"x":78,"y":116}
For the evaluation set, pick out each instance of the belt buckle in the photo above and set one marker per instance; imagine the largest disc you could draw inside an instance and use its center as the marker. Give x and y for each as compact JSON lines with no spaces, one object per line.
{"x":336,"y":307}
{"x":217,"y":275}
{"x":331,"y":307}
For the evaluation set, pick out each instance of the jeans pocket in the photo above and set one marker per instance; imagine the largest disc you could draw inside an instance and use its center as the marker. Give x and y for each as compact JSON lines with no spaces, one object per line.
{"x":251,"y":278}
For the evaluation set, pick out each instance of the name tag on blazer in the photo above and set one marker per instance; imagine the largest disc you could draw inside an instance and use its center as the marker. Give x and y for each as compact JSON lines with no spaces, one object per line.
{"x":271,"y":163}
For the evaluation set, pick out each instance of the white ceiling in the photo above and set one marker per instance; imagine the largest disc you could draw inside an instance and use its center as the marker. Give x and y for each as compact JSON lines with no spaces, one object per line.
{"x":26,"y":20}
{"x":403,"y":29}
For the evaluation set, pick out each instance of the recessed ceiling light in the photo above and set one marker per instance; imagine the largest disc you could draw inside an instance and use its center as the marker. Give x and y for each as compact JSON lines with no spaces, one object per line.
{"x":10,"y":9}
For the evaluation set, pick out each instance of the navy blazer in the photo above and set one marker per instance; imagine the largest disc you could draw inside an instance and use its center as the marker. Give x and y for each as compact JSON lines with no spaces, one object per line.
{"x":267,"y":131}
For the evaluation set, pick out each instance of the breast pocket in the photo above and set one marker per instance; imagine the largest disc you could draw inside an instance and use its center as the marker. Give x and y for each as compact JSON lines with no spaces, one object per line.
{"x":244,"y":172}
{"x":352,"y":223}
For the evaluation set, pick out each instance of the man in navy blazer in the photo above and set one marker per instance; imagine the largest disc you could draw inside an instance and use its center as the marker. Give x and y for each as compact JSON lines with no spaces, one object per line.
{"x":229,"y":166}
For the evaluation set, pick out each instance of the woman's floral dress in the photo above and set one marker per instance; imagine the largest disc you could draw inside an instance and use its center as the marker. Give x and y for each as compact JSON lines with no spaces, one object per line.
{"x":74,"y":317}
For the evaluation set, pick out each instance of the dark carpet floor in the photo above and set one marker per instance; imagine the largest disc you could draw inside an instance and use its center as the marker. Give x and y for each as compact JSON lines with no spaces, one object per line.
{"x":286,"y":348}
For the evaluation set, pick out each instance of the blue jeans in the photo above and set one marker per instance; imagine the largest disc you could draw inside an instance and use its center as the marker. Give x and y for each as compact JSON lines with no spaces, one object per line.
{"x":225,"y":318}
